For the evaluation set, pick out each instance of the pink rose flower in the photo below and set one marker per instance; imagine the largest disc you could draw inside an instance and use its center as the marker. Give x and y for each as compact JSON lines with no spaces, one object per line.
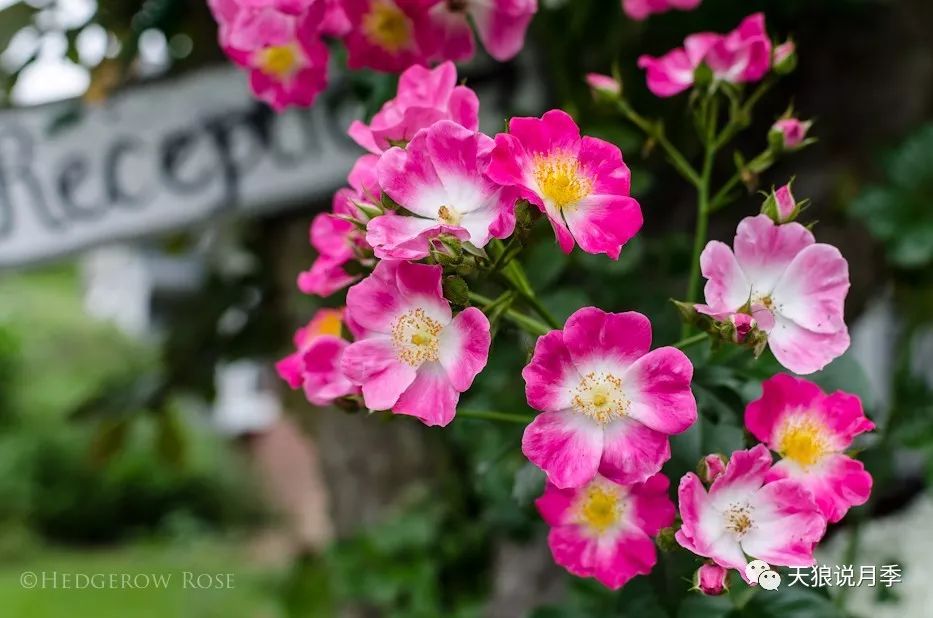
{"x":337,"y":240}
{"x":315,"y":365}
{"x":743,"y":515}
{"x":811,"y":430}
{"x":641,"y":9}
{"x":582,"y":184}
{"x":282,"y":50}
{"x":711,"y":579}
{"x":742,"y":326}
{"x":389,"y":35}
{"x":794,"y":287}
{"x":501,"y":25}
{"x":440,"y":178}
{"x":791,"y":132}
{"x":608,"y":403}
{"x":604,"y":83}
{"x":743,"y":55}
{"x":424,"y":97}
{"x":603,"y":529}
{"x":416,"y":357}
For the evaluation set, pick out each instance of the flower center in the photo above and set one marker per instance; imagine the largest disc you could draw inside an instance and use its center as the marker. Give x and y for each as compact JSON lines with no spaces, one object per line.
{"x":601,"y":508}
{"x":415,"y":336}
{"x":387,"y":26}
{"x":561,"y":180}
{"x":600,"y":396}
{"x":803,"y":442}
{"x":739,"y":519}
{"x":449,"y":215}
{"x":280,"y":61}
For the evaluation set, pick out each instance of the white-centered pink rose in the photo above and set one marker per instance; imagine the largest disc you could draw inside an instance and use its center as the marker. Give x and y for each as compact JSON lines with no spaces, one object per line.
{"x":794,"y":287}
{"x":812,"y":430}
{"x":424,"y":97}
{"x":608,"y":402}
{"x":604,"y":530}
{"x":416,"y":357}
{"x":580,"y":183}
{"x":440,"y":178}
{"x":742,"y":516}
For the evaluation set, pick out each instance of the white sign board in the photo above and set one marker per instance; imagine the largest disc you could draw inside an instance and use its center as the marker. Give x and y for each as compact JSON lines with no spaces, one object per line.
{"x":158,"y":157}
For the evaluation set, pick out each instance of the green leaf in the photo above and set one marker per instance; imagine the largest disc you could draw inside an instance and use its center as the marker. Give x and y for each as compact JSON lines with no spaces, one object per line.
{"x":13,"y":19}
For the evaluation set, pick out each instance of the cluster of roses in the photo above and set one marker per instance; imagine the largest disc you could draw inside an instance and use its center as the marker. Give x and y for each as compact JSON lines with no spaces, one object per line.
{"x":282,"y":42}
{"x":433,"y":191}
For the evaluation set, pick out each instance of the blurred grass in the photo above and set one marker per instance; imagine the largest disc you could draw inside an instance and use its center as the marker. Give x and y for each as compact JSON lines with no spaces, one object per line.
{"x":253,"y":594}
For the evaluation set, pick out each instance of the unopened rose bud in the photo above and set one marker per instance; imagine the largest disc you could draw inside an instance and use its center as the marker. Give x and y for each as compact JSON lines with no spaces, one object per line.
{"x":604,"y":86}
{"x":789,"y":133}
{"x":711,"y":579}
{"x":785,"y":58}
{"x":710,"y":467}
{"x":781,"y":206}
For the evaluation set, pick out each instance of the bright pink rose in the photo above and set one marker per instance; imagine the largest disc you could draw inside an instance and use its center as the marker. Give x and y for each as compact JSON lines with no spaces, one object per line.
{"x":389,"y":35}
{"x":337,"y":240}
{"x":283,"y":51}
{"x":791,"y":132}
{"x":711,"y":579}
{"x":424,"y":97}
{"x":440,"y":179}
{"x":743,"y":55}
{"x":603,"y":529}
{"x":315,"y":365}
{"x":604,"y":83}
{"x":608,"y":403}
{"x":794,"y":287}
{"x":742,"y":515}
{"x":641,"y":9}
{"x":416,"y":357}
{"x":811,"y":430}
{"x":582,"y":184}
{"x":501,"y":25}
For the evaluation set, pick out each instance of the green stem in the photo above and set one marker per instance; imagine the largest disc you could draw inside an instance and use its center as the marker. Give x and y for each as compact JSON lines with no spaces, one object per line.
{"x":689,"y":341}
{"x":529,"y":324}
{"x":503,"y":417}
{"x":757,"y":165}
{"x":711,"y":116}
{"x":656,"y":132}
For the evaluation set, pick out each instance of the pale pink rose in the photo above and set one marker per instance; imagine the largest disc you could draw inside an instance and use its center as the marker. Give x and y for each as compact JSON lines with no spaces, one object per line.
{"x":315,"y":365}
{"x":501,"y":25}
{"x":424,"y":97}
{"x":416,"y":357}
{"x":580,"y":183}
{"x":743,"y":55}
{"x":604,"y":529}
{"x":812,"y":430}
{"x":440,"y":179}
{"x":604,"y":83}
{"x":641,"y":9}
{"x":743,"y":516}
{"x":711,"y":579}
{"x":389,"y":35}
{"x":794,"y":287}
{"x":792,"y":132}
{"x":608,"y":402}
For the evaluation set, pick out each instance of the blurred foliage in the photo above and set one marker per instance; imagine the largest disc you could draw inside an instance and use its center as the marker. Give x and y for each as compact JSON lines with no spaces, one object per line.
{"x":898,"y":212}
{"x":67,"y":480}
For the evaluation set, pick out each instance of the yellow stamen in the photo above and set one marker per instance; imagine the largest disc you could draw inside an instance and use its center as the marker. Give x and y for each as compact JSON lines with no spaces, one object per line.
{"x":416,"y":337}
{"x":600,"y":396}
{"x":448,"y":215}
{"x":561,"y":180}
{"x":601,"y":507}
{"x":803,"y":441}
{"x":739,"y":519}
{"x":387,"y":26}
{"x":280,"y":61}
